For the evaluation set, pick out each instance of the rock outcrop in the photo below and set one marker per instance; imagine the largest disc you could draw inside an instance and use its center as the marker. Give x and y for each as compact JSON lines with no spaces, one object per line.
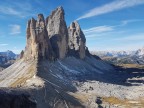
{"x":51,"y":39}
{"x":21,"y":55}
{"x":57,"y":32}
{"x":38,"y":45}
{"x":77,"y":40}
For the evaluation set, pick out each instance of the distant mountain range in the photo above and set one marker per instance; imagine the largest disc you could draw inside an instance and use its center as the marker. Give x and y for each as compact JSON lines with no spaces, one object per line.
{"x":6,"y":59}
{"x":9,"y":54}
{"x":139,"y":52}
{"x":122,"y":57}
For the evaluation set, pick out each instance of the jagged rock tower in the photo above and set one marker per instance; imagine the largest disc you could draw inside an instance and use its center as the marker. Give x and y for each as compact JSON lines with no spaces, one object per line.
{"x":77,"y":40}
{"x":38,"y":45}
{"x":51,"y":39}
{"x":57,"y":32}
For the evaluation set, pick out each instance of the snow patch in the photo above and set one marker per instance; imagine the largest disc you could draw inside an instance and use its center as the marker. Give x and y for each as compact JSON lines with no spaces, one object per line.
{"x":68,"y":69}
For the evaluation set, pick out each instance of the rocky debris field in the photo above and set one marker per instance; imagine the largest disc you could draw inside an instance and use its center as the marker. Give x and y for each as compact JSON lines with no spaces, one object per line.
{"x":124,"y":89}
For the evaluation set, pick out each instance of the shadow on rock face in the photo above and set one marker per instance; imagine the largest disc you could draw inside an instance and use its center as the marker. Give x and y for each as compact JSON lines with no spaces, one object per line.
{"x":54,"y":41}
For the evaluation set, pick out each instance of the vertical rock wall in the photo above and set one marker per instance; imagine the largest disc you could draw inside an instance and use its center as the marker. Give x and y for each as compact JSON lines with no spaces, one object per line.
{"x":38,"y":45}
{"x":57,"y":32}
{"x":51,"y":39}
{"x":77,"y":40}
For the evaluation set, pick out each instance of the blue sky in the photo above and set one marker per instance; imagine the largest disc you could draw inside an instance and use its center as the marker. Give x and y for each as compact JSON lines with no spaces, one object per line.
{"x":107,"y":24}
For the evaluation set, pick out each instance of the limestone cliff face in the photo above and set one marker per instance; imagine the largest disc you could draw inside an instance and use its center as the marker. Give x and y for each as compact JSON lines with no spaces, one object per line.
{"x":38,"y":45}
{"x":57,"y":32}
{"x":77,"y":40}
{"x":51,"y":39}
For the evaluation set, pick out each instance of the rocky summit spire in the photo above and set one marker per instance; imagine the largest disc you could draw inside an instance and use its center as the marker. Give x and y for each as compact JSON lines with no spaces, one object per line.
{"x":57,"y":32}
{"x":38,"y":44}
{"x":77,"y":40}
{"x":50,"y":38}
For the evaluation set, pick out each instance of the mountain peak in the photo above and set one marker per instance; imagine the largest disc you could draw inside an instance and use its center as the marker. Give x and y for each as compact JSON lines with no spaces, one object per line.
{"x":75,"y":25}
{"x":50,"y":38}
{"x":77,"y":40}
{"x":9,"y":51}
{"x":57,"y":32}
{"x":9,"y":54}
{"x":143,"y":47}
{"x":60,"y":8}
{"x":38,"y":45}
{"x":59,"y":12}
{"x":140,"y":52}
{"x":40,"y":17}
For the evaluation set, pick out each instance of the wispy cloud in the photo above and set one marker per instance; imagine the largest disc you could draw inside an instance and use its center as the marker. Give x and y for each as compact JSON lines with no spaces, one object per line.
{"x":99,"y":29}
{"x":15,"y":29}
{"x":106,"y":29}
{"x":16,"y":9}
{"x":110,"y":7}
{"x":3,"y":44}
{"x":9,"y":11}
{"x":125,"y":22}
{"x":94,"y":31}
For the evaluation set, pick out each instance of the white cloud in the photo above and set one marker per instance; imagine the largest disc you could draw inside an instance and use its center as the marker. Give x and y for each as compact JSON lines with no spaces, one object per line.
{"x":125,"y":22}
{"x":16,"y":9}
{"x":108,"y":29}
{"x":92,"y":36}
{"x":9,"y":10}
{"x":98,"y":29}
{"x":15,"y":29}
{"x":113,"y":6}
{"x":95,"y":31}
{"x":3,"y":44}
